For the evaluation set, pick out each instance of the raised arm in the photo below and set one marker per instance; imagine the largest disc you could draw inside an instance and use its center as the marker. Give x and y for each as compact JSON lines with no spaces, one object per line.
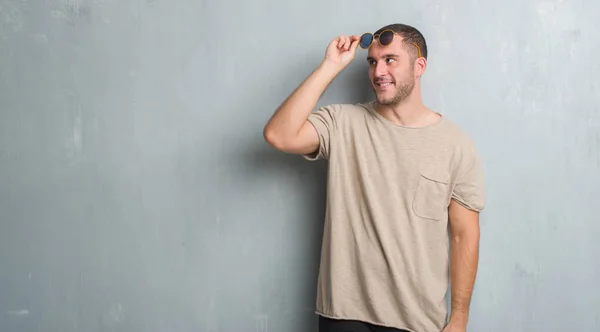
{"x":288,"y":129}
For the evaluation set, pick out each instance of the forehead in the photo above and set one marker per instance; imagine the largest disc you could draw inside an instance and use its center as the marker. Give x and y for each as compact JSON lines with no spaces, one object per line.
{"x":396,"y":48}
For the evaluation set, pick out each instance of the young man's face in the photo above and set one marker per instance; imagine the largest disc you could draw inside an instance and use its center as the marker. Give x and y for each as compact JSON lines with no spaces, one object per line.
{"x":391,"y":71}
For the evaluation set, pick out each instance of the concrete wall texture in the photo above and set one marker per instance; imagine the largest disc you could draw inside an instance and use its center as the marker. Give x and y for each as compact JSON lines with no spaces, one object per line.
{"x":137,"y":193}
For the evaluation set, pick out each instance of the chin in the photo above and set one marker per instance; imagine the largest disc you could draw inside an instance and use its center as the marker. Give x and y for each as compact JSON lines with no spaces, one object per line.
{"x":385,"y":100}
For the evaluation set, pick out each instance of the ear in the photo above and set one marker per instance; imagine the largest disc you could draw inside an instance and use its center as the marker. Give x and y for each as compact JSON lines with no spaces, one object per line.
{"x":420,"y":66}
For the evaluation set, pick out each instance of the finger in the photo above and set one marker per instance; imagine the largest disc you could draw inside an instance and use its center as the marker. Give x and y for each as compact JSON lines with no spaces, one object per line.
{"x":354,"y":45}
{"x":340,"y":41}
{"x":333,"y":43}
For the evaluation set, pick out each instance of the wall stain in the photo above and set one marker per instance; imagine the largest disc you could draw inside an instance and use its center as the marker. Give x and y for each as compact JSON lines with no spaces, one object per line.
{"x":72,"y":11}
{"x":11,"y":16}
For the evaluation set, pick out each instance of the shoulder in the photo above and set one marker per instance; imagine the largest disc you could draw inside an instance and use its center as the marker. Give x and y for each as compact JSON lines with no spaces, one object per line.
{"x":338,"y":112}
{"x":345,"y":109}
{"x":464,"y":155}
{"x":468,"y":180}
{"x":457,"y":137}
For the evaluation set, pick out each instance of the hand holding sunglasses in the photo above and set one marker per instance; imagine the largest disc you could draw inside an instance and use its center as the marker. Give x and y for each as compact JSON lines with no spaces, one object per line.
{"x":341,"y":51}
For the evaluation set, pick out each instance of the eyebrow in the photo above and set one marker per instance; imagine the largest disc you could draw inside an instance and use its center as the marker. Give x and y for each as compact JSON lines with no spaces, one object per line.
{"x":396,"y":56}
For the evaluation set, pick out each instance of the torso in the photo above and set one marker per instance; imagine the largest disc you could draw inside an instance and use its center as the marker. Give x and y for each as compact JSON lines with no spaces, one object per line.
{"x":386,"y":246}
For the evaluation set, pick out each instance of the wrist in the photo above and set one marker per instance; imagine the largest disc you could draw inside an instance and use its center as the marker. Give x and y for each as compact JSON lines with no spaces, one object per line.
{"x":459,"y":319}
{"x":330,"y":68}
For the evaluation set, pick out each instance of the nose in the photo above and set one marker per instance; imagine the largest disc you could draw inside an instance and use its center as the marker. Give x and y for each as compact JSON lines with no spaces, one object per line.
{"x":380,"y":68}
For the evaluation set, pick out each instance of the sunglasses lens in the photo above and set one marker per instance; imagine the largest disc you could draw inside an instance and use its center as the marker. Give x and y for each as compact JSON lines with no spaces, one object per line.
{"x":366,"y":40}
{"x":386,"y":37}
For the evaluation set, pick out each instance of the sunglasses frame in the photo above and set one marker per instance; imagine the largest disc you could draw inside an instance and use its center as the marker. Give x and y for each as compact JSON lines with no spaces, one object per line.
{"x":376,"y":36}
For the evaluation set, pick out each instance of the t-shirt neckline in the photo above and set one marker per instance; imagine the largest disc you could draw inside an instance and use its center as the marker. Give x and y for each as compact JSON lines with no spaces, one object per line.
{"x":371,"y":107}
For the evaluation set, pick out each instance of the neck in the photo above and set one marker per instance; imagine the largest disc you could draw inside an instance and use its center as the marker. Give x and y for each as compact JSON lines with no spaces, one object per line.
{"x":410,"y":112}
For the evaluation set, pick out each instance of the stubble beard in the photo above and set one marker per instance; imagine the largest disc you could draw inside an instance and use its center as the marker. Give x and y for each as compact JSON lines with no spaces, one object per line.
{"x":402,"y":92}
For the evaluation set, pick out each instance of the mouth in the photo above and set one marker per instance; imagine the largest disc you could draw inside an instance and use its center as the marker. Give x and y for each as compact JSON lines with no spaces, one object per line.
{"x":384,"y":85}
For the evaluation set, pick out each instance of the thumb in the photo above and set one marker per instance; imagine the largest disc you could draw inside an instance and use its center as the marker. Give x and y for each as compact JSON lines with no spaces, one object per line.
{"x":354,"y":45}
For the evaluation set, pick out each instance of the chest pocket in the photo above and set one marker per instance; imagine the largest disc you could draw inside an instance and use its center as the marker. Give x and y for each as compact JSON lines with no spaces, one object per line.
{"x":432,"y":195}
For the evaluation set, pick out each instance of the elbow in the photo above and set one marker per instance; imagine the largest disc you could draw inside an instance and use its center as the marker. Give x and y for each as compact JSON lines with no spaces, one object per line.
{"x":279,"y":142}
{"x":273,"y":139}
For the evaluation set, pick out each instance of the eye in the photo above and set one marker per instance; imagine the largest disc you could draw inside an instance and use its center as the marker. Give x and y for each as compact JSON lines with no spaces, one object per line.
{"x":389,"y":60}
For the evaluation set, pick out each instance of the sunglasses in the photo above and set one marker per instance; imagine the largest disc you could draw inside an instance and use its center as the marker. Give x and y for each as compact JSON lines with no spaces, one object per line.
{"x":384,"y":38}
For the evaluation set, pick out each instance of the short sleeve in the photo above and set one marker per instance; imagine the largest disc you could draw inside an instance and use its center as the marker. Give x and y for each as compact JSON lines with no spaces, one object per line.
{"x":325,"y":121}
{"x":469,"y":186}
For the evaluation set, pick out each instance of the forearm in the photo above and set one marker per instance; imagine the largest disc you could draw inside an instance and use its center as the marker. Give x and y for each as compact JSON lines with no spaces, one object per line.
{"x":289,"y":118}
{"x":463,"y":269}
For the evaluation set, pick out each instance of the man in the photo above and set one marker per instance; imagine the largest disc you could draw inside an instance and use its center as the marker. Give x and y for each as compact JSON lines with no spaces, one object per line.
{"x":400,"y":175}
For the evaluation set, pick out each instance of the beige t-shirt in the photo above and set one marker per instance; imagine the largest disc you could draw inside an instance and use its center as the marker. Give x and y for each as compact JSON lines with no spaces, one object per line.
{"x":385,"y":257}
